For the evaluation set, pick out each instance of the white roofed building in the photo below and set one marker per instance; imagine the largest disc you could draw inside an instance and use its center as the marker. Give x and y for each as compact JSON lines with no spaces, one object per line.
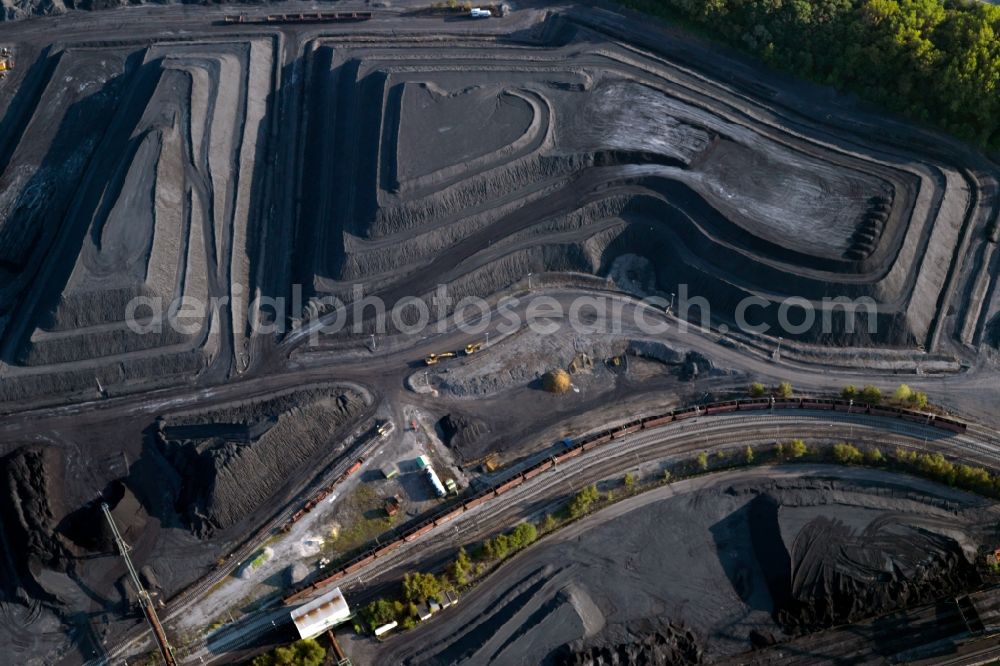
{"x":320,"y":614}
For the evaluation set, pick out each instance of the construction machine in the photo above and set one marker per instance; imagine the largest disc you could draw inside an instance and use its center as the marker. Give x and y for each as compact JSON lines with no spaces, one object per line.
{"x":6,"y":61}
{"x":434,"y":358}
{"x":471,"y":349}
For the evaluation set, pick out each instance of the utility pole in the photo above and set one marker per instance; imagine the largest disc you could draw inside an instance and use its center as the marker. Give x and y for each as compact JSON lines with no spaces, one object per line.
{"x":148,"y":609}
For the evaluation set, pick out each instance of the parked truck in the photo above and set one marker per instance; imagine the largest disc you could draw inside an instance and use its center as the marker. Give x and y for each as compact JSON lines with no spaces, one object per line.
{"x":435,"y":481}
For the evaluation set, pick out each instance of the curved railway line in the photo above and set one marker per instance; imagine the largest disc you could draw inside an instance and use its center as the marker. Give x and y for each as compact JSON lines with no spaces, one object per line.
{"x":679,"y":434}
{"x":917,"y":423}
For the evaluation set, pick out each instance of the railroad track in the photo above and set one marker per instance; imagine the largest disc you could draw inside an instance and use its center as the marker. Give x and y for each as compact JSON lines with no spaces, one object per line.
{"x":180,"y":602}
{"x":678,"y":439}
{"x":727,"y":433}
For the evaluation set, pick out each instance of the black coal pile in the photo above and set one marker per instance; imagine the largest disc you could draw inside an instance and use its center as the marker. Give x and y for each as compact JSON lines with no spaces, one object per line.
{"x":30,"y":499}
{"x":695,"y":365}
{"x":233,"y":468}
{"x":460,"y":431}
{"x":88,"y":528}
{"x":841,"y":576}
{"x":668,"y":646}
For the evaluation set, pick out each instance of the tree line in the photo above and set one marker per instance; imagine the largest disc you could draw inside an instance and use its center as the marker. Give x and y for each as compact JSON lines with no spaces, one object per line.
{"x":933,"y":61}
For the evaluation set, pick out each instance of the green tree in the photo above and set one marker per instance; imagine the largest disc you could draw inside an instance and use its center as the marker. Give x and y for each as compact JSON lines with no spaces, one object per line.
{"x":784,"y":390}
{"x":419,"y":587}
{"x":973,"y":478}
{"x":523,"y":535}
{"x":849,"y":392}
{"x":306,"y":652}
{"x":779,"y":451}
{"x":748,"y":454}
{"x":703,"y":461}
{"x":871,"y":395}
{"x":903,"y":393}
{"x":629,"y":482}
{"x":919,"y":400}
{"x":757,"y":390}
{"x":875,"y":456}
{"x":379,"y":612}
{"x":797,"y":448}
{"x":933,"y":61}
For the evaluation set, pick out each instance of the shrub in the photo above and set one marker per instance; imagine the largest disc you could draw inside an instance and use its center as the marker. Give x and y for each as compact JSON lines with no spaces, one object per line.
{"x":797,"y":448}
{"x":306,"y":652}
{"x":784,"y":390}
{"x":757,"y":390}
{"x":903,"y":393}
{"x":703,"y":461}
{"x":461,"y":567}
{"x":582,"y":501}
{"x":847,"y":454}
{"x":748,"y":454}
{"x":549,"y":523}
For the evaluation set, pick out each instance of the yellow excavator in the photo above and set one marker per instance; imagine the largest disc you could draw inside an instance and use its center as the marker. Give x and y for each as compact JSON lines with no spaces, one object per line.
{"x":471,"y":349}
{"x":6,"y":62}
{"x":434,"y":358}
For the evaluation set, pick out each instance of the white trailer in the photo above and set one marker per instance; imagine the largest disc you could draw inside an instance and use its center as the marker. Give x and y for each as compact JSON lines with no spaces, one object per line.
{"x":435,"y":481}
{"x":478,"y":13}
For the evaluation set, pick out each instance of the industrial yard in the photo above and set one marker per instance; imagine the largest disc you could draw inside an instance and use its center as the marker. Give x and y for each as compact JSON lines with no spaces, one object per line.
{"x":213,"y":444}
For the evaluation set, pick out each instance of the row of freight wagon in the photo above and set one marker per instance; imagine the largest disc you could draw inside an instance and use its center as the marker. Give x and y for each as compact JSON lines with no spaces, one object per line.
{"x":382,"y":430}
{"x":583,"y":444}
{"x":322,"y":495}
{"x":301,"y":17}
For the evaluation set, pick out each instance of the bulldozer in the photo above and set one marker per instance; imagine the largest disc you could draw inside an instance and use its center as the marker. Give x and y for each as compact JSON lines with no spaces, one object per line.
{"x":434,"y":358}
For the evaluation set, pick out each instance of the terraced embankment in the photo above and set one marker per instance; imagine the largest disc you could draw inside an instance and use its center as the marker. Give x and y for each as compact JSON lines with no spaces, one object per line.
{"x":223,"y":166}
